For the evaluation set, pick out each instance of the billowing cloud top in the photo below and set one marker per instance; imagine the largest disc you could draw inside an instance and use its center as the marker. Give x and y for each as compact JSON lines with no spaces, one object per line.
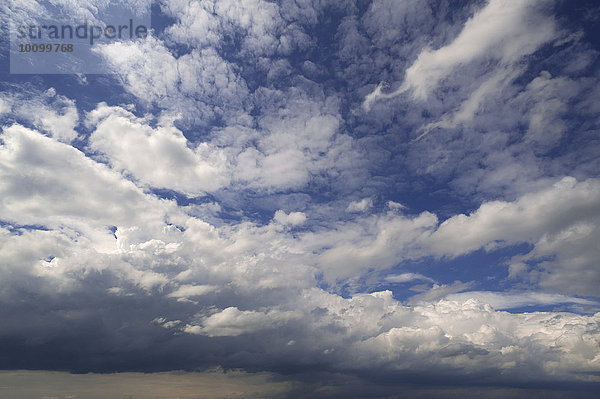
{"x":384,"y":191}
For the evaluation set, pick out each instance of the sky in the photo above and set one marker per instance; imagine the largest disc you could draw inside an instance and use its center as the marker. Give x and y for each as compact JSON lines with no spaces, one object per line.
{"x":302,"y":199}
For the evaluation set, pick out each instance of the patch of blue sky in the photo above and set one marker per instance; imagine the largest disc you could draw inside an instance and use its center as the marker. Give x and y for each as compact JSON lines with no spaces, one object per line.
{"x":18,"y":229}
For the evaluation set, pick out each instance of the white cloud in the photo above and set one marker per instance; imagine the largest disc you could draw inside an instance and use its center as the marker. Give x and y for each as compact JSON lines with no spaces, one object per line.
{"x":260,"y":20}
{"x":264,"y":31}
{"x":294,"y":145}
{"x":56,"y":187}
{"x":360,"y":206}
{"x":472,"y":335}
{"x":197,"y":25}
{"x":549,"y":98}
{"x":291,"y":145}
{"x":395,"y":205}
{"x":563,"y":261}
{"x":187,"y":291}
{"x":282,"y":170}
{"x":200,"y":85}
{"x":440,"y":291}
{"x":561,"y":222}
{"x":511,"y":300}
{"x":377,"y":242}
{"x":406,"y":278}
{"x":53,"y":184}
{"x":469,"y":109}
{"x":256,"y":260}
{"x":5,"y":107}
{"x":293,"y":218}
{"x":503,"y":30}
{"x":159,"y":157}
{"x":231,"y":322}
{"x":48,"y":111}
{"x":60,"y":125}
{"x":248,"y":264}
{"x":548,"y":211}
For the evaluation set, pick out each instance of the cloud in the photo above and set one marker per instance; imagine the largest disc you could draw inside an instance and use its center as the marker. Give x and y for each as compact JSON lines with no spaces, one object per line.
{"x":248,"y":264}
{"x":204,"y":274}
{"x":406,"y":278}
{"x":187,"y":291}
{"x":360,"y":206}
{"x":502,"y":30}
{"x":293,"y":218}
{"x":157,"y":157}
{"x":52,"y":184}
{"x":458,"y":330}
{"x":246,"y":114}
{"x":287,"y":148}
{"x":48,"y":111}
{"x":294,"y":145}
{"x":373,"y":242}
{"x":200,"y":85}
{"x":547,"y":211}
{"x":560,"y":221}
{"x":440,"y":291}
{"x":550,"y":97}
{"x":231,"y":322}
{"x":196,"y":25}
{"x":260,"y":25}
{"x":474,"y":104}
{"x":563,"y":261}
{"x":511,"y":300}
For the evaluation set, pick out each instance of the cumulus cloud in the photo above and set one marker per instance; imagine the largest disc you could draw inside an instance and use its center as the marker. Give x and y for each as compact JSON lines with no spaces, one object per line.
{"x":253,"y":281}
{"x":52,"y":184}
{"x":416,"y":335}
{"x":457,"y":331}
{"x":566,"y":203}
{"x":291,"y":145}
{"x":295,"y":144}
{"x":157,"y":157}
{"x":560,"y":221}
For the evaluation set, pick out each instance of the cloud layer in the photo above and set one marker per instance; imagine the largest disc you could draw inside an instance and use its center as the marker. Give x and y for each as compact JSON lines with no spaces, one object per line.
{"x":376,"y":194}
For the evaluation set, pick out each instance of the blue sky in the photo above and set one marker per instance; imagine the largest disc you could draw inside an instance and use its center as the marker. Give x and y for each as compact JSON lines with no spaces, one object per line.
{"x":307,"y":197}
